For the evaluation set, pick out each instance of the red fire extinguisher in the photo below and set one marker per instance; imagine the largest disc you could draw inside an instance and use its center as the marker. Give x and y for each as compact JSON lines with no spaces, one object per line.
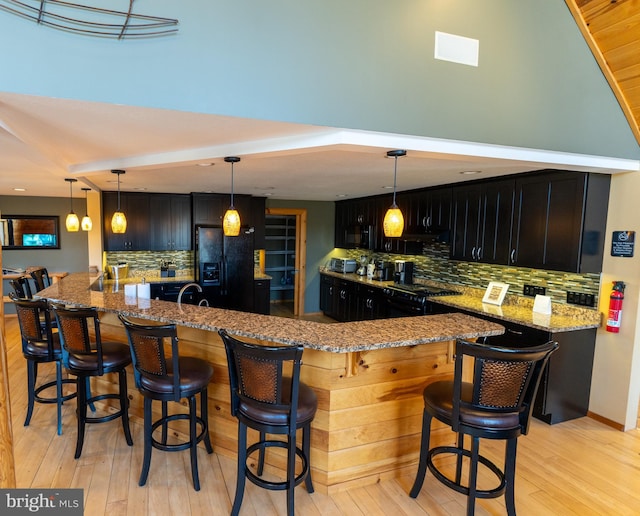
{"x":615,"y":307}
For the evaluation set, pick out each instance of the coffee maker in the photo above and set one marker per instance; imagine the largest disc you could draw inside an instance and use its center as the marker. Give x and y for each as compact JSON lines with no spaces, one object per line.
{"x":383,"y":270}
{"x":403,"y":272}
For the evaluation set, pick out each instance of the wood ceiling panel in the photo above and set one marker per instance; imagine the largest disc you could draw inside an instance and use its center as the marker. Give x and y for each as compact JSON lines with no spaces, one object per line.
{"x":612,"y":30}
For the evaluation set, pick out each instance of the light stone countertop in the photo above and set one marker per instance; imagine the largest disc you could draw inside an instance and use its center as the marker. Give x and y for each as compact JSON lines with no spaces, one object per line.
{"x":338,"y":337}
{"x":515,"y":309}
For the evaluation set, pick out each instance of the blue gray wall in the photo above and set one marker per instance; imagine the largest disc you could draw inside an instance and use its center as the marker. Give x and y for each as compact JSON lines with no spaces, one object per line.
{"x":362,"y":64}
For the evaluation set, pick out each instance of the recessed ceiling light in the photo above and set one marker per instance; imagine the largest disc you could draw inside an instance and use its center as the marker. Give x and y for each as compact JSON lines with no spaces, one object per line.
{"x":469,"y":172}
{"x":140,"y":188}
{"x":19,"y":189}
{"x":206,"y":164}
{"x":387,"y":187}
{"x":268,"y":194}
{"x":340,"y":195}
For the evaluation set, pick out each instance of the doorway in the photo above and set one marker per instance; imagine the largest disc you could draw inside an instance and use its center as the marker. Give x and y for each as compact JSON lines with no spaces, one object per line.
{"x":286,"y":259}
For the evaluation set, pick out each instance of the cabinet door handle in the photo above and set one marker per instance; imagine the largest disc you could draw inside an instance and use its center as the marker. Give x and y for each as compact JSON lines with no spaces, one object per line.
{"x":330,"y":291}
{"x":515,"y":332}
{"x":479,"y":253}
{"x":512,"y":256}
{"x":473,"y":253}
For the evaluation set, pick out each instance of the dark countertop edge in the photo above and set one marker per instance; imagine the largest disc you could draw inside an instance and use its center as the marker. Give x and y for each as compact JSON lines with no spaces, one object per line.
{"x":368,"y":335}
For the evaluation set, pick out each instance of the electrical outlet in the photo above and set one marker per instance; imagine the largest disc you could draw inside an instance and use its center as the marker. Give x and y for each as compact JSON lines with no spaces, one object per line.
{"x":581,"y":299}
{"x":533,"y":291}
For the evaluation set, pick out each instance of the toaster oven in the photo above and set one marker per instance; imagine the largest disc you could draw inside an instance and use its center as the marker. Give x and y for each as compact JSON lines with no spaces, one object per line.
{"x":343,"y":265}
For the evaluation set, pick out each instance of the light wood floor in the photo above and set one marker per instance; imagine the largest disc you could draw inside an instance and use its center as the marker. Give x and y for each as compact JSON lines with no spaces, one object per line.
{"x":579,"y":467}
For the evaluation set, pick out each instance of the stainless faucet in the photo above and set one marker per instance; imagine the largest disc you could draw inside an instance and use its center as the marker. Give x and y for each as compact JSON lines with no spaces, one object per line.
{"x":202,"y":302}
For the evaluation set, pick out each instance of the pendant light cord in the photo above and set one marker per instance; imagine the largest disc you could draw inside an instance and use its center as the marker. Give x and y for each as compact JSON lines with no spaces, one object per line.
{"x":70,"y":196}
{"x":232,"y":186}
{"x":395,"y":172}
{"x":118,"y":174}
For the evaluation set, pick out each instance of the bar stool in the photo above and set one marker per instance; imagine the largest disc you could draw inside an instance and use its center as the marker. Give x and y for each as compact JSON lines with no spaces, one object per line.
{"x":496,"y":404}
{"x":84,"y":355}
{"x":162,"y":379}
{"x":40,"y":345}
{"x":21,"y":287}
{"x":263,"y":399}
{"x":41,"y":278}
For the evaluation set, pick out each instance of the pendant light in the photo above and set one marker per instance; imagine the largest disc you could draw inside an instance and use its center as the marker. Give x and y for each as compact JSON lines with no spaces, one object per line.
{"x":86,"y":223}
{"x":118,"y":221}
{"x":231,"y":221}
{"x":393,"y":220}
{"x":72,"y":222}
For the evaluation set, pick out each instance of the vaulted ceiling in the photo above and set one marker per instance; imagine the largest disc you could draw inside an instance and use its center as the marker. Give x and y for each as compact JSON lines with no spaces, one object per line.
{"x":612,"y":30}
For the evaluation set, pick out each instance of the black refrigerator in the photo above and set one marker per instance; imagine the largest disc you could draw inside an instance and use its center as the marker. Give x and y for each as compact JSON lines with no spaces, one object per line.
{"x":224,"y":267}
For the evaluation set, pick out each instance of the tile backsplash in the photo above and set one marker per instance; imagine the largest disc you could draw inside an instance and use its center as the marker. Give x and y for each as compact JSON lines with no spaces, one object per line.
{"x":140,"y":261}
{"x":434,"y":264}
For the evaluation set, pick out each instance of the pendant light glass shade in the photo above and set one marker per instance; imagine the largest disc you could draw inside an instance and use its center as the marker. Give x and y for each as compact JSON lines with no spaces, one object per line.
{"x":118,"y":221}
{"x":393,"y":223}
{"x":231,"y":220}
{"x":72,"y":222}
{"x":86,"y":223}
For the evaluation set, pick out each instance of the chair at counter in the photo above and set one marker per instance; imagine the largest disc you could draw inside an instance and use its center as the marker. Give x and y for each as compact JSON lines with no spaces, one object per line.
{"x":40,"y":345}
{"x":496,"y":404}
{"x":85,"y":354}
{"x":169,"y":379}
{"x":41,"y":278}
{"x":270,"y":402}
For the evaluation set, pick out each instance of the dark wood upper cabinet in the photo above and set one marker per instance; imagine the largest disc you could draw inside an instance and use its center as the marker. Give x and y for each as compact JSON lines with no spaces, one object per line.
{"x":170,"y":222}
{"x":135,"y":206}
{"x":548,"y":219}
{"x":560,"y":220}
{"x":482,"y":219}
{"x":209,"y":209}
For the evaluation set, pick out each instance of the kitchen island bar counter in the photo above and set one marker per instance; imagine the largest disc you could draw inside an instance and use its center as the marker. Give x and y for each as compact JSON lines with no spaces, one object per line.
{"x":336,"y":338}
{"x":368,"y":376}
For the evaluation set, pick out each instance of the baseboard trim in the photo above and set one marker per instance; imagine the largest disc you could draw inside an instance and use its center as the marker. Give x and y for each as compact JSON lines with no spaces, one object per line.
{"x":606,"y":421}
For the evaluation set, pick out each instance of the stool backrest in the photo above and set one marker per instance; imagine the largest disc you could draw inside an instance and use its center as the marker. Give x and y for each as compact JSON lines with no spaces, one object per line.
{"x":34,"y":319}
{"x":147,"y":345}
{"x":21,"y":287}
{"x":504,"y":379}
{"x":79,"y":330}
{"x":41,"y":278}
{"x":256,"y":374}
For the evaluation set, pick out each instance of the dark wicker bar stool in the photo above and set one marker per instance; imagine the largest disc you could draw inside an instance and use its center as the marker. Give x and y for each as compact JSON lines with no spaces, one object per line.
{"x":264,"y":399}
{"x":21,"y":287}
{"x":169,"y":379}
{"x":40,"y":345}
{"x":84,"y":354}
{"x":496,"y":404}
{"x":41,"y":279}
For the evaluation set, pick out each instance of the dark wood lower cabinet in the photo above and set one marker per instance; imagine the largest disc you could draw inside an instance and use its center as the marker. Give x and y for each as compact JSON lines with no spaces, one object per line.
{"x":346,"y":300}
{"x":565,"y":387}
{"x":261,"y":296}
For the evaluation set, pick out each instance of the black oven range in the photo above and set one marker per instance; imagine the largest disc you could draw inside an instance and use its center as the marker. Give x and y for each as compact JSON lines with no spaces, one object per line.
{"x":409,"y":300}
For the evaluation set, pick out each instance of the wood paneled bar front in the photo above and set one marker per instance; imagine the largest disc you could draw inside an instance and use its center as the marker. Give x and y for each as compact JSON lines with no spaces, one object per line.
{"x":368,"y":375}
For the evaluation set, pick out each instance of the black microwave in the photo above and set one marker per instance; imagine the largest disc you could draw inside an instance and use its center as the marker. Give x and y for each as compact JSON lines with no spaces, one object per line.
{"x":361,"y":236}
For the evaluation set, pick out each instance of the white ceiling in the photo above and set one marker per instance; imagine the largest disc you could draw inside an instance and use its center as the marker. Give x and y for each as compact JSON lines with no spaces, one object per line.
{"x":44,"y":140}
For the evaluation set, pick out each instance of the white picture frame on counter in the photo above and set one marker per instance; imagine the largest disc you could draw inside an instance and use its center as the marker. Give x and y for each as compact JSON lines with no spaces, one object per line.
{"x":495,"y":293}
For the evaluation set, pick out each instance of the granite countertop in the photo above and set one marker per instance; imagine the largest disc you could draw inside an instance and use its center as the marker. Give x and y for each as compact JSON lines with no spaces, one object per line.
{"x":338,"y":337}
{"x":515,"y":309}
